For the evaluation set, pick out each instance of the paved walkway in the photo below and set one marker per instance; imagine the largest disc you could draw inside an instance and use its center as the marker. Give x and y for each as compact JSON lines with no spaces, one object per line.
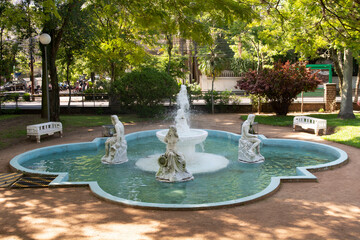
{"x":327,"y":209}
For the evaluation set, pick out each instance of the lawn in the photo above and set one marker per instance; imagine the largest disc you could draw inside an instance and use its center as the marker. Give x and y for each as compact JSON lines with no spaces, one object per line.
{"x":13,"y":127}
{"x":345,"y":131}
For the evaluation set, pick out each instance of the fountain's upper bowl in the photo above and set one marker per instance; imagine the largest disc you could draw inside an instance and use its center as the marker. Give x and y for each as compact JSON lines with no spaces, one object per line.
{"x":195,"y":136}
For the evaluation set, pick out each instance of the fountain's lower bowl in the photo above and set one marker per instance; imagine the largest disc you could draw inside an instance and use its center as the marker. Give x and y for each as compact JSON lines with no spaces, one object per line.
{"x":194,"y":136}
{"x":195,"y":163}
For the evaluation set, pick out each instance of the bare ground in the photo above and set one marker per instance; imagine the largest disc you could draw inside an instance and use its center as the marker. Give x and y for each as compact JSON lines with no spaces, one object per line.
{"x":327,"y":209}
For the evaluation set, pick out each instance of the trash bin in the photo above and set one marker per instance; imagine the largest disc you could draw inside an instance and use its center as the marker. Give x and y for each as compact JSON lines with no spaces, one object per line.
{"x":108,"y":130}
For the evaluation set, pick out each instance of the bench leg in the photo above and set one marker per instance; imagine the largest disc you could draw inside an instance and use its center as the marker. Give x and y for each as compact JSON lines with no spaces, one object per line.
{"x":38,"y":139}
{"x":316,"y":132}
{"x":61,"y":134}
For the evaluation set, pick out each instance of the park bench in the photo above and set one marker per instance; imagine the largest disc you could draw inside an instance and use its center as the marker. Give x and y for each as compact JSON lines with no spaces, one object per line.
{"x":48,"y":128}
{"x":310,"y":123}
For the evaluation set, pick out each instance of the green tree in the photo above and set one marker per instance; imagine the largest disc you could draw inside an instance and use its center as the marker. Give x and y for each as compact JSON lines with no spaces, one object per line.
{"x":75,"y":38}
{"x":8,"y":46}
{"x":212,"y":63}
{"x":310,"y":25}
{"x":55,"y":20}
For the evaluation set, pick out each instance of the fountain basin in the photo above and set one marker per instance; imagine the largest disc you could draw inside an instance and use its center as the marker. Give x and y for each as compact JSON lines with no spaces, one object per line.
{"x":238,"y":183}
{"x":187,"y":140}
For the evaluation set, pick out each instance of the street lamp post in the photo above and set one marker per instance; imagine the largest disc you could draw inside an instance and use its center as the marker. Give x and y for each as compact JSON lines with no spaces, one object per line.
{"x":45,"y":39}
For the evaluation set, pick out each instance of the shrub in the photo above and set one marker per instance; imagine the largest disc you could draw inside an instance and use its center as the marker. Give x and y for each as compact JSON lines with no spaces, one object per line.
{"x":279,"y":85}
{"x":207,"y":98}
{"x":26,"y":97}
{"x":225,"y":97}
{"x":194,"y":91}
{"x":143,"y":89}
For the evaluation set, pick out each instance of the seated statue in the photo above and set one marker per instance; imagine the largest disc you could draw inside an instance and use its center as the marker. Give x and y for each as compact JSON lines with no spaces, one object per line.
{"x":172,"y":164}
{"x":249,"y":144}
{"x":116,"y":146}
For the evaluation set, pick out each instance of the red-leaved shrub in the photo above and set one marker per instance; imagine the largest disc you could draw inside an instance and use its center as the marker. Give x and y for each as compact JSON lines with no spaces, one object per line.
{"x":280,"y":85}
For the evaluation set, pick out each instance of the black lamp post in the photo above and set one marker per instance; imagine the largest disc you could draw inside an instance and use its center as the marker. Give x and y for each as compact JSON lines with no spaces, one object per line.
{"x":45,"y":39}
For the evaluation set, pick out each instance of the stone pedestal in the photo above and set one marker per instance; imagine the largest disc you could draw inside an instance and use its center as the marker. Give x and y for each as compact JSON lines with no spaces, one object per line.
{"x":330,"y":96}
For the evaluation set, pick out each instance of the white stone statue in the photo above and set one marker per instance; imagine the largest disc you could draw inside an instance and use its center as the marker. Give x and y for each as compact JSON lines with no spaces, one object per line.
{"x":116,"y":146}
{"x":249,"y":144}
{"x":172,"y":164}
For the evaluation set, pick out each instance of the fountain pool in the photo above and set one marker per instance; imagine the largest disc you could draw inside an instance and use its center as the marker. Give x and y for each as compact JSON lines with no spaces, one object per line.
{"x":237,"y":183}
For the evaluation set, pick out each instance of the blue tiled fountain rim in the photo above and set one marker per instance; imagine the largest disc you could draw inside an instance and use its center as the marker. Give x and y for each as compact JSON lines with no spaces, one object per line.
{"x":62,"y":177}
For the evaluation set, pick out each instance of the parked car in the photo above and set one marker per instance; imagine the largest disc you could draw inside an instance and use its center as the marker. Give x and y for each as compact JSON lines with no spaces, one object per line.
{"x":14,"y":85}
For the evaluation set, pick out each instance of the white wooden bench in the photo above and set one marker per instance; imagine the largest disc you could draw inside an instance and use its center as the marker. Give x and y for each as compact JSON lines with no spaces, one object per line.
{"x":310,"y":123}
{"x":48,"y":128}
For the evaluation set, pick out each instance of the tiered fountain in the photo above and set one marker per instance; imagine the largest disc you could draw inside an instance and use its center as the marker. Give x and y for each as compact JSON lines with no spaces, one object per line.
{"x":196,"y":162}
{"x":219,"y":178}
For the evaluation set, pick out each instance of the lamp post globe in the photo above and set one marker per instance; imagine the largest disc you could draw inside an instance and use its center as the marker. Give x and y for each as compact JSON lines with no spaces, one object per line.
{"x":45,"y":39}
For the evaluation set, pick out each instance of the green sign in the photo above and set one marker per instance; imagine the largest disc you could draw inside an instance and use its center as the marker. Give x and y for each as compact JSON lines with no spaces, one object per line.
{"x":323,"y":67}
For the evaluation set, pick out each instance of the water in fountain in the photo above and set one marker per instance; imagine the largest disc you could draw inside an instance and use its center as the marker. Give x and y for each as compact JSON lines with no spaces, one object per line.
{"x":196,"y":162}
{"x":182,"y":116}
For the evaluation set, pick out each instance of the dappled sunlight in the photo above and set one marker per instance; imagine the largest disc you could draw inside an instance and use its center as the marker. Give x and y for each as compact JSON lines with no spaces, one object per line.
{"x":73,"y":213}
{"x":328,"y":210}
{"x":303,"y":136}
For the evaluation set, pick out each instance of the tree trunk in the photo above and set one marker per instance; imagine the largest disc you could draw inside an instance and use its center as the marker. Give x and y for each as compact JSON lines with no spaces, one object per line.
{"x":195,"y":64}
{"x":240,"y":46}
{"x":190,"y":62}
{"x":280,"y":108}
{"x":356,"y":98}
{"x":169,"y":48}
{"x":54,"y":93}
{"x":68,"y":82}
{"x":346,"y":107}
{"x":212,"y":93}
{"x":1,"y":60}
{"x":338,"y":65}
{"x":112,"y":97}
{"x":44,"y":110}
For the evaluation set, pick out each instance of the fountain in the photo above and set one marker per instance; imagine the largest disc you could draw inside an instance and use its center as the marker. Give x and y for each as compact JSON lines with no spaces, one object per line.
{"x":197,"y":162}
{"x":219,"y":178}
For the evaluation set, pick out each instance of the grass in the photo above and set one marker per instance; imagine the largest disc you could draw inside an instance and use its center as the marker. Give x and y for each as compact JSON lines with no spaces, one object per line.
{"x":17,"y":131}
{"x":345,"y":131}
{"x":11,"y":134}
{"x":6,"y":117}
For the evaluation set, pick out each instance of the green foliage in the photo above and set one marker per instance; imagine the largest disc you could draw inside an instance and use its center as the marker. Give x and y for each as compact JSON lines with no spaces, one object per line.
{"x":207,"y":98}
{"x":11,"y":97}
{"x":177,"y":64}
{"x":221,"y":99}
{"x":143,"y":90}
{"x":225,"y":97}
{"x":240,"y":66}
{"x":26,"y":97}
{"x":255,"y":99}
{"x":194,"y":91}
